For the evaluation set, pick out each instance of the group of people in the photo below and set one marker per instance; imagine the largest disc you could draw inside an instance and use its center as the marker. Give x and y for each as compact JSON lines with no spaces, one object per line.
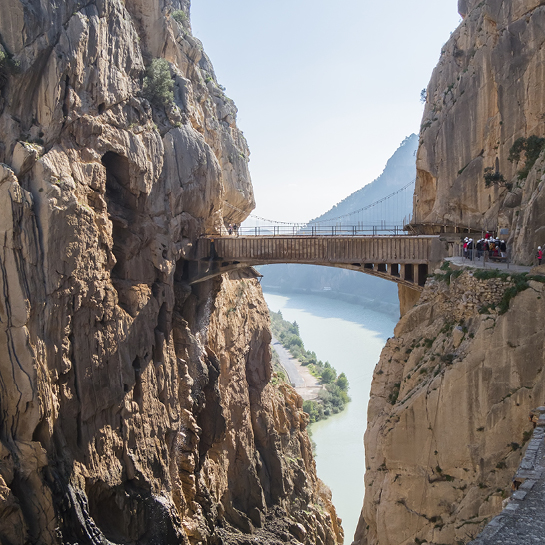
{"x":491,"y":247}
{"x":233,"y":229}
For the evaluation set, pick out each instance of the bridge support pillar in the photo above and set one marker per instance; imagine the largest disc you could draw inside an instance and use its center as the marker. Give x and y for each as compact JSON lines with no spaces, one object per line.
{"x":420,"y":274}
{"x":407,"y":298}
{"x":407,"y":272}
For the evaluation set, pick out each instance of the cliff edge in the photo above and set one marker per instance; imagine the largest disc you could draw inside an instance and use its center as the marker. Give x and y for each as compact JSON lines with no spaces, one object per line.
{"x":479,"y":164}
{"x":448,"y":415}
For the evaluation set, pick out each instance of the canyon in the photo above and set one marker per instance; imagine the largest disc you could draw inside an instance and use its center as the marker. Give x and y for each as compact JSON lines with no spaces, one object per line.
{"x":136,"y":407}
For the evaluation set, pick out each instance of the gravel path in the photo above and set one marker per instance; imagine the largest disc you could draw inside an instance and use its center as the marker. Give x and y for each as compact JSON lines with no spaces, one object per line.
{"x":479,"y":264}
{"x":306,"y":385}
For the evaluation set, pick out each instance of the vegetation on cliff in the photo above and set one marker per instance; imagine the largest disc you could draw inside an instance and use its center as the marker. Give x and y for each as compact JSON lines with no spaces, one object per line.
{"x":333,"y":398}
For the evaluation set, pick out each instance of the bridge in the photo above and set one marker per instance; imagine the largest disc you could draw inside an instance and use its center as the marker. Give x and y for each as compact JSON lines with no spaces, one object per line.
{"x":403,"y":259}
{"x":372,"y":240}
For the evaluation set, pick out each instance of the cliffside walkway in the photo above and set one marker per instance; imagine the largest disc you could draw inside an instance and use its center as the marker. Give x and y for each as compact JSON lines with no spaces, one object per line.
{"x":480,"y":264}
{"x":523,"y":519}
{"x":403,"y":259}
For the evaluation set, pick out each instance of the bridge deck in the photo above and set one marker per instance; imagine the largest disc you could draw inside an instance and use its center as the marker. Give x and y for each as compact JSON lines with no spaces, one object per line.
{"x":403,"y":258}
{"x":320,"y":249}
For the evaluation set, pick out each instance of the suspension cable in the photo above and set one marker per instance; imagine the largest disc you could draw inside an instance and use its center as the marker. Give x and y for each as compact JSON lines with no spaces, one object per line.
{"x":315,"y":222}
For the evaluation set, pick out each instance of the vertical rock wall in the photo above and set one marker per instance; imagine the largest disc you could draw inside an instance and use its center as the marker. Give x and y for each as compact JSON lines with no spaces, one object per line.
{"x":485,"y":93}
{"x":453,"y":388}
{"x":134,"y":408}
{"x":448,"y":415}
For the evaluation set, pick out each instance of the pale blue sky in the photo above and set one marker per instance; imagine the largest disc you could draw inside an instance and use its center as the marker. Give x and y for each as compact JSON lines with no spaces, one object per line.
{"x":326,"y":91}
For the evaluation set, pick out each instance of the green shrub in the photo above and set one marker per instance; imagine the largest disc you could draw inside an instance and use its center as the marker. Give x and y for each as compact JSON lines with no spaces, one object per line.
{"x":342,"y":382}
{"x":328,"y":375}
{"x":394,"y":394}
{"x":180,"y":16}
{"x":8,"y":67}
{"x":493,"y":177}
{"x":314,"y":409}
{"x":158,"y":83}
{"x":531,"y":147}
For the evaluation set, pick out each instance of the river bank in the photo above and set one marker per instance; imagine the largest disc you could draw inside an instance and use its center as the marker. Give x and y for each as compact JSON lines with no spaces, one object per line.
{"x":350,"y":337}
{"x":305,"y":384}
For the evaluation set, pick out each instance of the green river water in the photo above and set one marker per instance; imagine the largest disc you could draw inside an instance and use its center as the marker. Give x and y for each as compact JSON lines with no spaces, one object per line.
{"x":351,"y":338}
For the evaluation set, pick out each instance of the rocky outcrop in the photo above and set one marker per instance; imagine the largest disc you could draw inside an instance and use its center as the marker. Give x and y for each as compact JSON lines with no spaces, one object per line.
{"x":134,"y":408}
{"x":449,"y":399}
{"x":485,"y":94}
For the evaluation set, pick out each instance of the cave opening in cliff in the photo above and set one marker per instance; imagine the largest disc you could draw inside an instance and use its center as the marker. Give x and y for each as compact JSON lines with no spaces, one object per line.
{"x":122,"y":206}
{"x":137,"y":391}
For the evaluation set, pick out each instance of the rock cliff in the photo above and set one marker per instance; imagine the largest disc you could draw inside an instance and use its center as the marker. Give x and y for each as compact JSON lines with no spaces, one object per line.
{"x":134,"y":408}
{"x":448,"y":416}
{"x":485,"y":94}
{"x":447,"y":420}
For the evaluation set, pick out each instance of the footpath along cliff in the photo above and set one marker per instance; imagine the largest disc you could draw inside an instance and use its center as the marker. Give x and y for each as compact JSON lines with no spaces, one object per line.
{"x":134,"y":408}
{"x":448,"y":415}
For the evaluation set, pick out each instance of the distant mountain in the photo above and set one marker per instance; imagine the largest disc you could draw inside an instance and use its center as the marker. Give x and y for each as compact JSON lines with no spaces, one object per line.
{"x":399,"y":171}
{"x":358,"y":287}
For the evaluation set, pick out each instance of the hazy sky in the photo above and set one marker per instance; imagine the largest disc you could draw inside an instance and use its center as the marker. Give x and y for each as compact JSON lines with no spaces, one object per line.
{"x":326,"y":91}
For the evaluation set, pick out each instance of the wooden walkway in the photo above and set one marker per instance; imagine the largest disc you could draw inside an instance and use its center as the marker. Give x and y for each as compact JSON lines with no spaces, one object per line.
{"x":403,"y":259}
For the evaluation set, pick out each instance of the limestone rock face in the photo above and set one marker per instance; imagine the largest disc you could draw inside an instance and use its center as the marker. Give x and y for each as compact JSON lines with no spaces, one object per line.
{"x":134,"y":408}
{"x":485,"y":93}
{"x":448,"y":414}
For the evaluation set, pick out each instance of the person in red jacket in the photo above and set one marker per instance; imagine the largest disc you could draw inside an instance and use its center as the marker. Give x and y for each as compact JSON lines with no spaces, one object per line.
{"x":539,"y":255}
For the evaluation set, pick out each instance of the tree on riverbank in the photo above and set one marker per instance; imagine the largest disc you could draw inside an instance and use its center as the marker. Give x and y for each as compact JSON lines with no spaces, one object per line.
{"x":334,"y":396}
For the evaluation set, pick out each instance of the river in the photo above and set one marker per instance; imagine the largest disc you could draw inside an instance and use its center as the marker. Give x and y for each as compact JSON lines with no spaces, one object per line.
{"x":351,"y":338}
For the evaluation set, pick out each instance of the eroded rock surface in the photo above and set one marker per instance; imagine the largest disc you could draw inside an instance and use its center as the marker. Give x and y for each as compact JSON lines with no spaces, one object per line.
{"x":134,"y":408}
{"x":485,"y":93}
{"x":448,"y":415}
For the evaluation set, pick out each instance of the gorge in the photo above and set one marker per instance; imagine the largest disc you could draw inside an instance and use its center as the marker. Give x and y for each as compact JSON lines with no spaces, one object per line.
{"x":136,"y":407}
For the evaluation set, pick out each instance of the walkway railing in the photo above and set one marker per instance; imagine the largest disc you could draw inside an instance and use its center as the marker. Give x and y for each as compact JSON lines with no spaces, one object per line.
{"x":321,"y":230}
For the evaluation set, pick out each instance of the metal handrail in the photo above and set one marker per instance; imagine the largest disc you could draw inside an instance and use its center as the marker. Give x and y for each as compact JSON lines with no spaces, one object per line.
{"x":321,"y":230}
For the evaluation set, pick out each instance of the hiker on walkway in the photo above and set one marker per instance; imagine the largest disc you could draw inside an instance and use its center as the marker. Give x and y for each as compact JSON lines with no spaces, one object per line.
{"x":470,"y":248}
{"x":539,"y":255}
{"x":479,"y":248}
{"x":235,"y":229}
{"x":503,"y":248}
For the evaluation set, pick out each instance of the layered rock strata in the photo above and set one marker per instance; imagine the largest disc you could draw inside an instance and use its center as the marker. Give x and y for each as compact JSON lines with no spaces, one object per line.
{"x":134,"y":408}
{"x":449,"y":399}
{"x":485,"y":93}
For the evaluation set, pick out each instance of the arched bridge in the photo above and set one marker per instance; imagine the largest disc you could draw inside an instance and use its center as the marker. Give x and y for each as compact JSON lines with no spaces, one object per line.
{"x":404,"y":259}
